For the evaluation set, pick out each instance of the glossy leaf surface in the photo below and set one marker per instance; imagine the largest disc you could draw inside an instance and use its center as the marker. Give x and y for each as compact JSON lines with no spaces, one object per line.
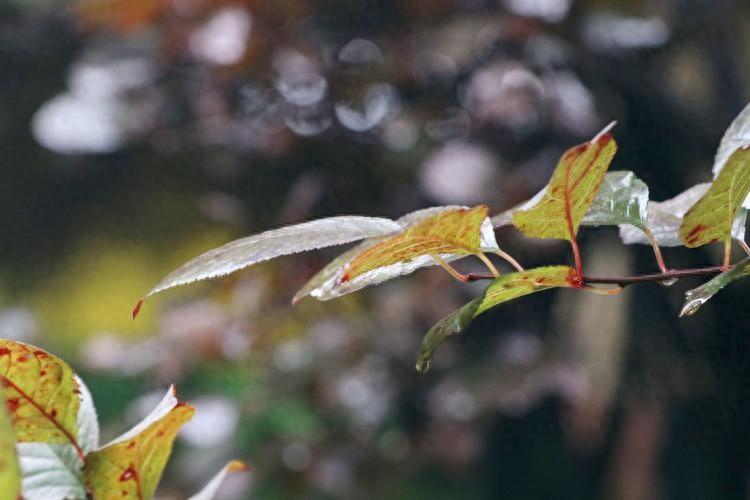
{"x":696,"y":297}
{"x":451,"y":232}
{"x":712,"y":216}
{"x":244,"y":252}
{"x":327,"y":283}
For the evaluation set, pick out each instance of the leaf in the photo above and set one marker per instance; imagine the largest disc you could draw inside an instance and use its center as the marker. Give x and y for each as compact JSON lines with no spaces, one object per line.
{"x":87,"y":420}
{"x":622,"y":199}
{"x":54,"y":470}
{"x":50,"y":471}
{"x":736,"y":136}
{"x":712,"y":217}
{"x":41,"y":395}
{"x":696,"y":297}
{"x":327,"y":283}
{"x":244,"y":252}
{"x":453,"y":232}
{"x":10,"y":476}
{"x":133,"y":463}
{"x":209,"y":491}
{"x":503,"y":289}
{"x":571,"y":190}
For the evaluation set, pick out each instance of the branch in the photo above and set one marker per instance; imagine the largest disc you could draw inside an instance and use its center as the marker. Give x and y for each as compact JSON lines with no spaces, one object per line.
{"x":630,"y":280}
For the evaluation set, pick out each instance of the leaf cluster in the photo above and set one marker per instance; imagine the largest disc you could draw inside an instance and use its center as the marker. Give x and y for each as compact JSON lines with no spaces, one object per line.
{"x":581,"y":192}
{"x":49,"y":436}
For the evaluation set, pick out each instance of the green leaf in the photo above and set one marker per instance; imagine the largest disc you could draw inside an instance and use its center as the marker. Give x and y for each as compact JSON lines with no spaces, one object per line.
{"x":452,"y":232}
{"x":209,"y":491}
{"x":696,"y":297}
{"x":712,"y":217}
{"x":503,"y":289}
{"x":570,"y":192}
{"x":245,"y":252}
{"x":622,"y":199}
{"x":736,"y":136}
{"x":133,"y":463}
{"x":10,"y":476}
{"x":41,"y":394}
{"x":327,"y":283}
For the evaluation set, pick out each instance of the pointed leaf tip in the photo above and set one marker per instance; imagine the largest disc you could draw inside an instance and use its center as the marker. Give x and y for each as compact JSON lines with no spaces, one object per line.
{"x":137,"y":308}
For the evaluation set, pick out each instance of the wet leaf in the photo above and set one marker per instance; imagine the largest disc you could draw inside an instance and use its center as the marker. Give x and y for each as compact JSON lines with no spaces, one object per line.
{"x":457,"y":232}
{"x":622,"y":199}
{"x":503,"y":289}
{"x":737,"y":136}
{"x":132,"y":464}
{"x":41,"y":394}
{"x":696,"y":297}
{"x":712,"y":216}
{"x":245,"y":252}
{"x":571,"y":190}
{"x":209,"y":491}
{"x":327,"y":283}
{"x":10,"y":477}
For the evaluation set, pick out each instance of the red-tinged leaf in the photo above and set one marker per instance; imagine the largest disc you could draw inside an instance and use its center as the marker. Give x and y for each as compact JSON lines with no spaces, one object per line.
{"x":10,"y":477}
{"x":711,"y":218}
{"x":131,"y":465}
{"x":41,"y":394}
{"x":570,"y":192}
{"x":455,"y":232}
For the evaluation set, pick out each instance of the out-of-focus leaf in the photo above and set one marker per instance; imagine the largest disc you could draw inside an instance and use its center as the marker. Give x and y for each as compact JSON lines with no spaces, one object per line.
{"x":452,"y":232}
{"x":244,"y":252}
{"x":133,"y":463}
{"x":622,"y":199}
{"x":327,"y":283}
{"x":209,"y":491}
{"x":665,"y":217}
{"x":41,"y":394}
{"x":696,"y":297}
{"x":737,"y":136}
{"x":571,"y":190}
{"x":10,"y":476}
{"x":50,"y":471}
{"x":54,"y":470}
{"x":712,"y":217}
{"x":503,"y":289}
{"x":87,"y":421}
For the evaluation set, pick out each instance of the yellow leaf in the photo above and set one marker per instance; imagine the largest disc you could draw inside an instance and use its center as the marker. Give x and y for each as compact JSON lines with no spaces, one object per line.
{"x":570,"y":192}
{"x":451,"y":232}
{"x":131,"y":465}
{"x":41,"y":394}
{"x":514,"y":285}
{"x":710,"y":219}
{"x":10,"y":476}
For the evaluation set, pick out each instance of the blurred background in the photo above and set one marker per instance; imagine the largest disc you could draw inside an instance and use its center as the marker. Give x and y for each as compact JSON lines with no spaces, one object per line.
{"x":135,"y":134}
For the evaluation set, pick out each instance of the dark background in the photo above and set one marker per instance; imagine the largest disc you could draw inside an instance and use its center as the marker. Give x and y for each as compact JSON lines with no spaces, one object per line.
{"x":135,"y":134}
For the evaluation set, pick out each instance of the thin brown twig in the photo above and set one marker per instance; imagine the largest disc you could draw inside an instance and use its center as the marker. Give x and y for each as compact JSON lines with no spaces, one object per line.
{"x":630,"y":280}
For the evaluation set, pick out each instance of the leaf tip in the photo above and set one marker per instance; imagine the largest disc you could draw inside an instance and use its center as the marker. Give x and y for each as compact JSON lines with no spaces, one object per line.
{"x":137,"y":308}
{"x":422,"y":365}
{"x":605,"y":133}
{"x":237,"y":466}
